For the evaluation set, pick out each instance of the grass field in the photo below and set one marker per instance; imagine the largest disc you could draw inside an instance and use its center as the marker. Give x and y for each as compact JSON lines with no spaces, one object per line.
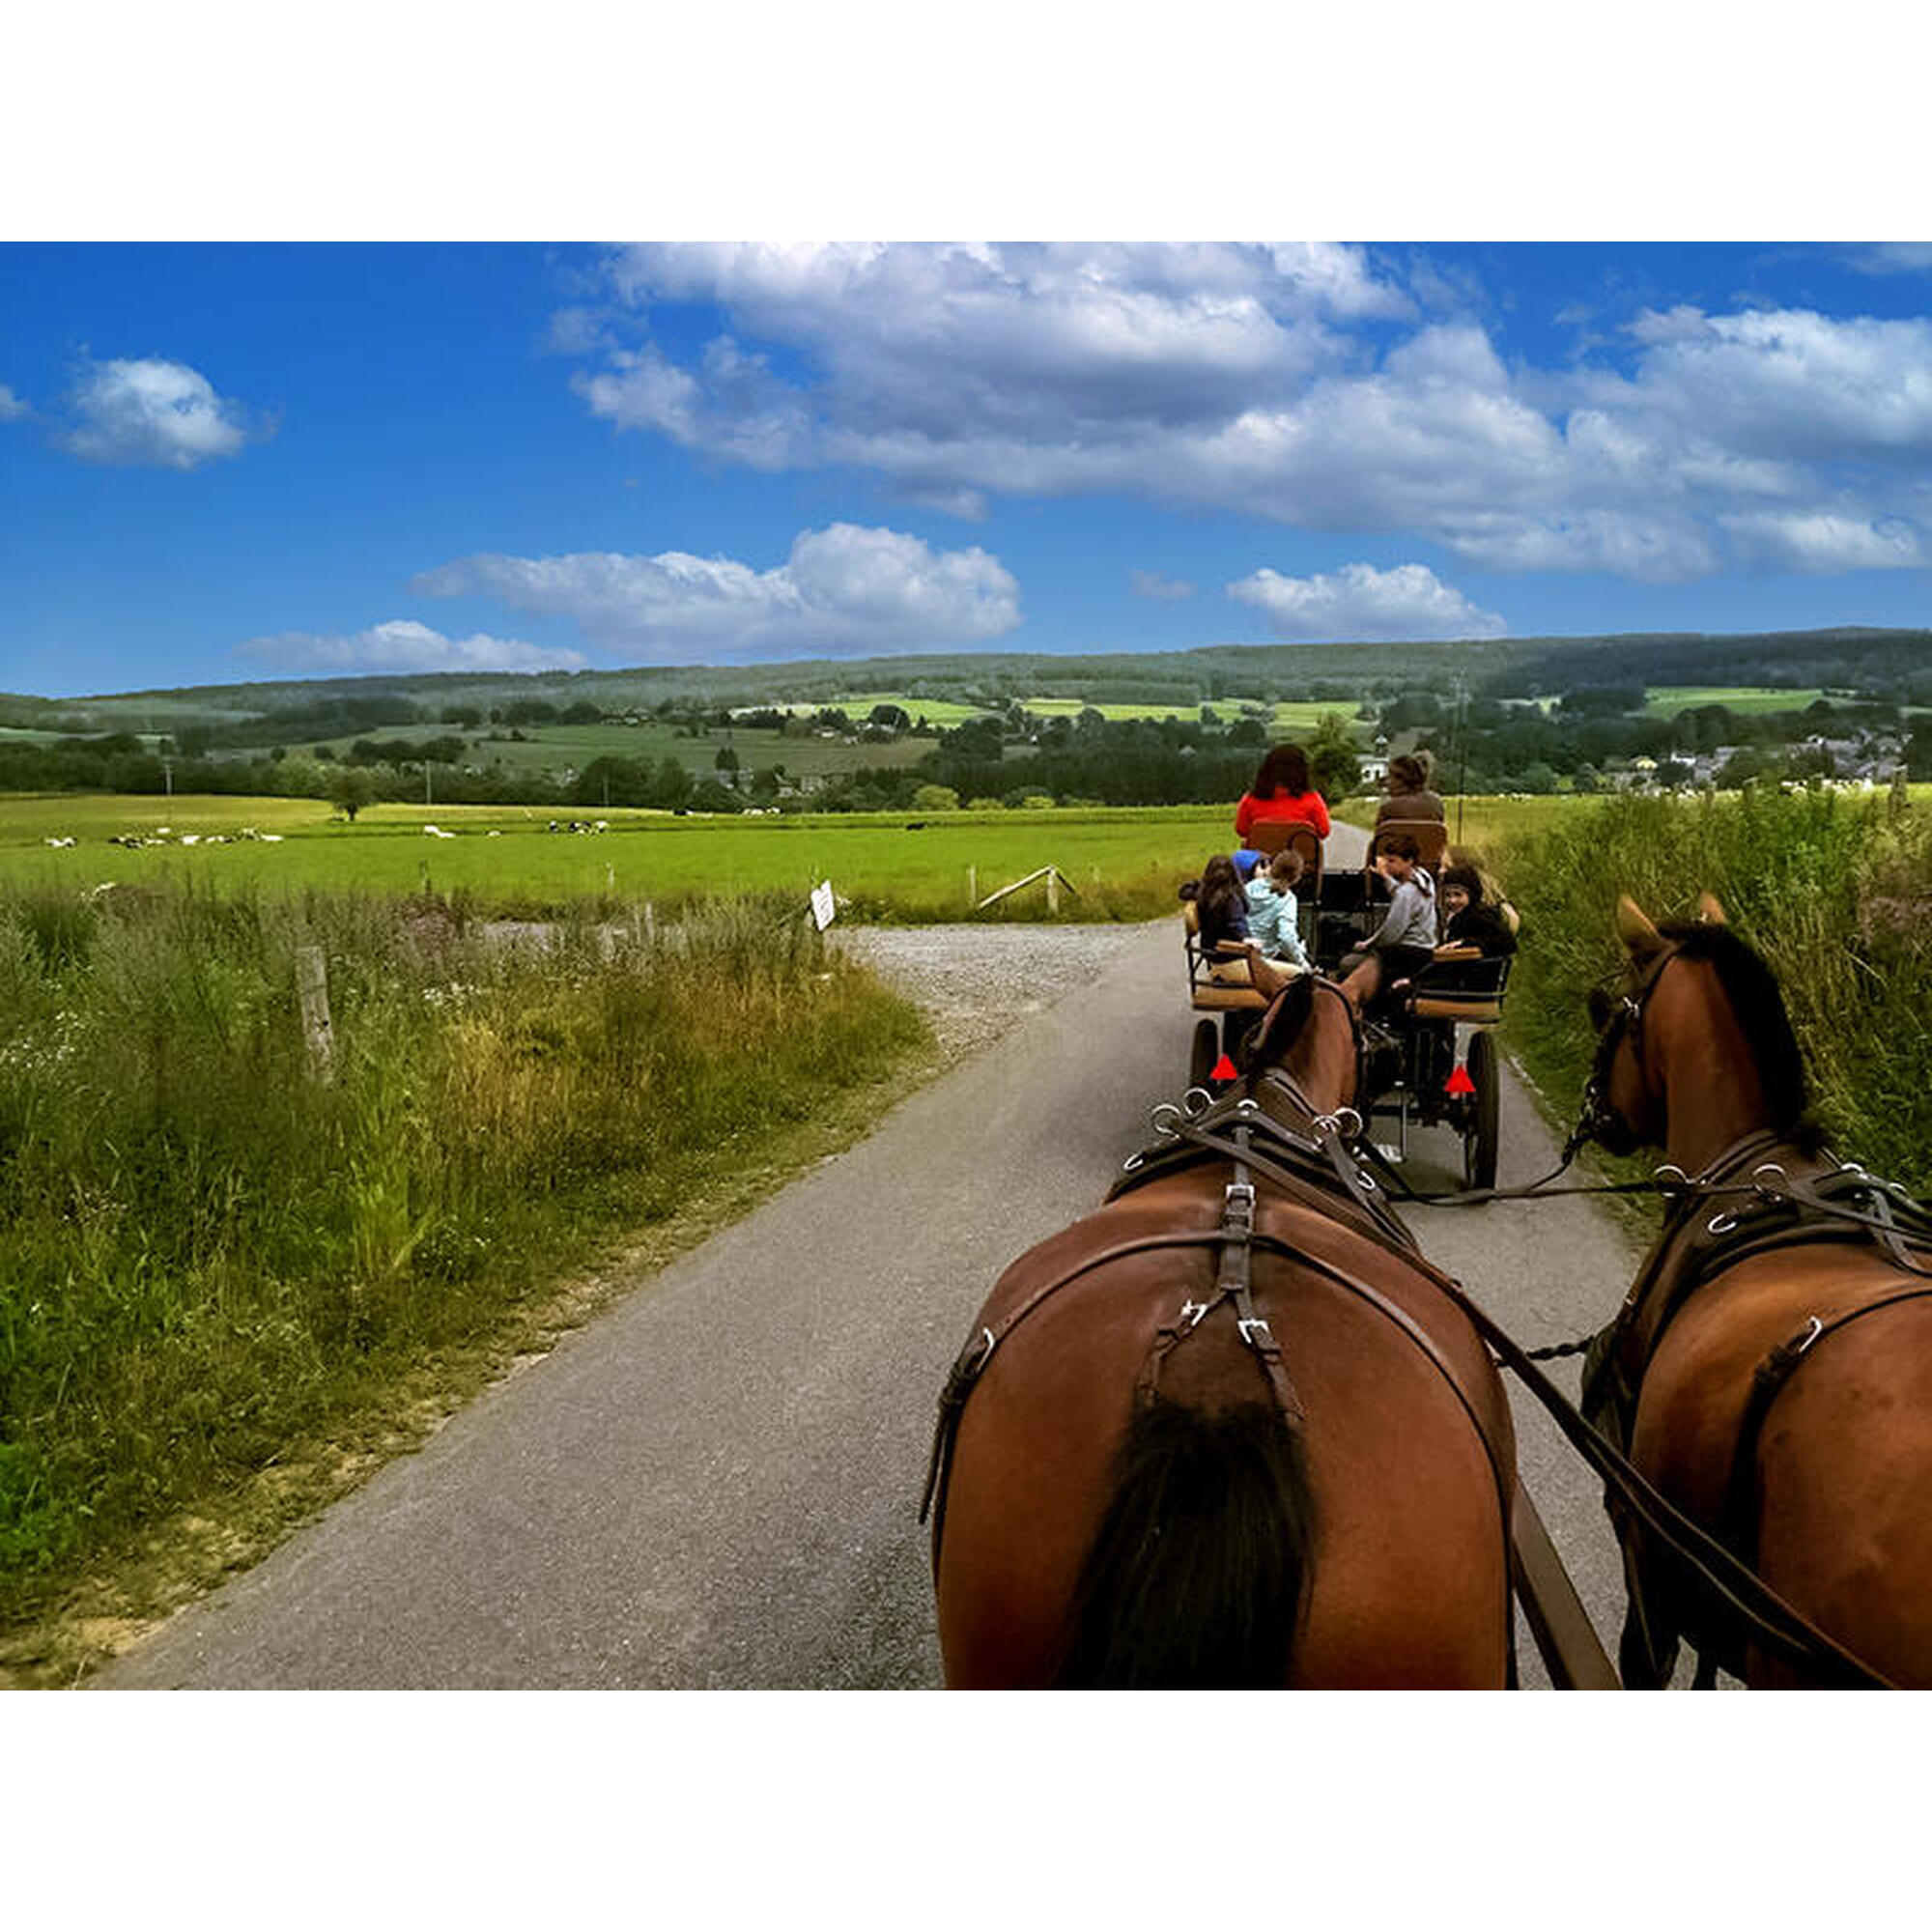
{"x":1666,"y":700}
{"x":1122,"y":863}
{"x":1482,"y":823}
{"x":211,"y":1256}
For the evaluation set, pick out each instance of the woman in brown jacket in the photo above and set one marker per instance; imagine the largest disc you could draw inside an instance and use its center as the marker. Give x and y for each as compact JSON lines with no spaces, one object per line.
{"x":1409,"y":793}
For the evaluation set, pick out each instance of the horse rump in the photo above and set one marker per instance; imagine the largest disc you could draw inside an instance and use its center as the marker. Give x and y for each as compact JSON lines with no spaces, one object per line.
{"x":1197,"y":1578}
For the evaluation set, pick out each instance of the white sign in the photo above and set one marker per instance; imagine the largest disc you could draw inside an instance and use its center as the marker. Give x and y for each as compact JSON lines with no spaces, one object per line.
{"x":823,"y":906}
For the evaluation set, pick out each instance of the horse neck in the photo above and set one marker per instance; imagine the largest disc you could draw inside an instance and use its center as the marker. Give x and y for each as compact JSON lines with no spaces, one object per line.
{"x":1321,"y":1060}
{"x":1697,"y":1051}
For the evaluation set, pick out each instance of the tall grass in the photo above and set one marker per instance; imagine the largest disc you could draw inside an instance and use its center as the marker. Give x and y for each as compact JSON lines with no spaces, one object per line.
{"x":204,"y":1250}
{"x":1835,"y":894}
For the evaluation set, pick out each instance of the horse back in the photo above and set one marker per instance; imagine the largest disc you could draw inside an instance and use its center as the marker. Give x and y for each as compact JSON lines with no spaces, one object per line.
{"x":1408,"y":1445}
{"x":1824,"y":1486}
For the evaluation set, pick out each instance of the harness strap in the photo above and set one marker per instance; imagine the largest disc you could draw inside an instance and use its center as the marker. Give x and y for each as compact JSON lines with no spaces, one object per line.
{"x":1736,"y":1519}
{"x":975,"y":1356}
{"x":1779,"y":1625}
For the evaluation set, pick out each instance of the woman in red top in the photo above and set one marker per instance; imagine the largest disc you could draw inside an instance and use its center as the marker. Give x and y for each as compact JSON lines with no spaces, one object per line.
{"x":1281,"y":790}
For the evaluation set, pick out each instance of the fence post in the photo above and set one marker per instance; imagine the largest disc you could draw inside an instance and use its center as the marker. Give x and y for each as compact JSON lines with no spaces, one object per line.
{"x":312,"y":990}
{"x":1052,"y":890}
{"x":972,"y":885}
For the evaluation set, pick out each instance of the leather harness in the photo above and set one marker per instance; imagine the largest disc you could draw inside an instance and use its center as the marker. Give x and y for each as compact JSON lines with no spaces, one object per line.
{"x":1306,"y":1156}
{"x":1780,"y":1193}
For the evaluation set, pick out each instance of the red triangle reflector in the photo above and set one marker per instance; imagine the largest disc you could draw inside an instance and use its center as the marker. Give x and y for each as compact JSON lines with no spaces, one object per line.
{"x":1224,"y":1070}
{"x":1459,"y":1081}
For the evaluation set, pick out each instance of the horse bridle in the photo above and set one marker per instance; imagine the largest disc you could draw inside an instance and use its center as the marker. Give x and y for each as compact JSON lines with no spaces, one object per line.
{"x":1619,"y":1019}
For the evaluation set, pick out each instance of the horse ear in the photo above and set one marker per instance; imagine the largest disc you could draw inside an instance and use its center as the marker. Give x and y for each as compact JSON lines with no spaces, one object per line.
{"x":1638,"y":935}
{"x":1710,"y":912}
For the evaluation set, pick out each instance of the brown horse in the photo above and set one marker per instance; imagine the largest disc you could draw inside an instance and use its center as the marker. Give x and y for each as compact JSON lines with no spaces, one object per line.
{"x":1230,"y":1429}
{"x":1771,"y":1371}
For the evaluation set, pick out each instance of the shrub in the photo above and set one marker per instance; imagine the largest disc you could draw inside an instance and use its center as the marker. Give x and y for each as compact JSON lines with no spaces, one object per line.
{"x":1832,"y":891}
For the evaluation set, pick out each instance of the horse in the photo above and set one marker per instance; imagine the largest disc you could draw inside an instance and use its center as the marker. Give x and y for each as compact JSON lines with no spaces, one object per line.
{"x":1771,"y":1370}
{"x":1228,"y":1431}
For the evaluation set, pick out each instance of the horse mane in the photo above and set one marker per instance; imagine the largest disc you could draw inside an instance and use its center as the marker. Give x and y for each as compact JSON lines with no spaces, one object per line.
{"x":1753,"y":989}
{"x":1281,"y":1024}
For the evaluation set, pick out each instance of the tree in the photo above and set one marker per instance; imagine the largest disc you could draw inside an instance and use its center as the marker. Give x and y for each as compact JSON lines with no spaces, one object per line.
{"x":890,"y":717}
{"x":726,"y":761}
{"x":1333,"y":766}
{"x":935,"y":798}
{"x":350,"y":788}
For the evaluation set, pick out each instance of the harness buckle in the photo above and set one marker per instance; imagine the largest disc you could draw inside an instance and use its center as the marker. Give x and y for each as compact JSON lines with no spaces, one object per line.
{"x":1191,"y":1313}
{"x":1252,"y":1324}
{"x":1238,"y":1212}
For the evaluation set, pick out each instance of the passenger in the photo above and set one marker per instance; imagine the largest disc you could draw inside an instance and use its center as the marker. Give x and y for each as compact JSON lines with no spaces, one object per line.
{"x":1466,"y":919}
{"x":1221,"y":913}
{"x":1221,"y":904}
{"x":1274,"y":912}
{"x":1409,"y":793}
{"x":1406,"y":940}
{"x":1281,"y":792}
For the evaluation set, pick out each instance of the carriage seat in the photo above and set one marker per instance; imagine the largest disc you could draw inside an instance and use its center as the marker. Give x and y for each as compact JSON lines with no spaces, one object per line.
{"x":1469,"y":990}
{"x":1218,"y":976}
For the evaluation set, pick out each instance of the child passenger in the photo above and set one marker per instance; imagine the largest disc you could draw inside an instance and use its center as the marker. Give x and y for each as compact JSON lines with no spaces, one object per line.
{"x":1273,"y":911}
{"x":1406,"y":940}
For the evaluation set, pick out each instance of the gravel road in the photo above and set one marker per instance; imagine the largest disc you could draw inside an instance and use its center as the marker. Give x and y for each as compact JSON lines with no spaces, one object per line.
{"x":976,"y":981}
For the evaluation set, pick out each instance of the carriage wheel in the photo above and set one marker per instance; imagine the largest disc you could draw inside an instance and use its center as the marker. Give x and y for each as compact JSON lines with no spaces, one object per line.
{"x":1479,"y":1137}
{"x":1205,"y":1052}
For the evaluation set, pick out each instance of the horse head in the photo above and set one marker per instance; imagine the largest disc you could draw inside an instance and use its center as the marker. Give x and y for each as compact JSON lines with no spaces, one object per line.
{"x":1727,"y":1012}
{"x":1309,"y":1033}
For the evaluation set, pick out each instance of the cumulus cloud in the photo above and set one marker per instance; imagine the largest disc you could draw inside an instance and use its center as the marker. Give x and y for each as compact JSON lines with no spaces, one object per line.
{"x":845,"y":590}
{"x":10,"y":406}
{"x":152,"y":413}
{"x":1359,"y":601}
{"x":1162,"y":588}
{"x":404,"y":646}
{"x":1325,"y":388}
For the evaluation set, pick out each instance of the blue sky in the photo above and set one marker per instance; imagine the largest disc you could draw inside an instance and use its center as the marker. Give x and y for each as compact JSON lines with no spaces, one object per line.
{"x":229,"y":460}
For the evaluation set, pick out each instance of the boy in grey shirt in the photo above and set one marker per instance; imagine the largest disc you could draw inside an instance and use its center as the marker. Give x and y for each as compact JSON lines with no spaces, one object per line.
{"x":1406,"y":940}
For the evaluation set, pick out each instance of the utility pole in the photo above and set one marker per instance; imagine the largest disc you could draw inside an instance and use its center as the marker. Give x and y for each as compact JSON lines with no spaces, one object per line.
{"x":168,"y":775}
{"x":427,"y":800}
{"x":1462,"y":748}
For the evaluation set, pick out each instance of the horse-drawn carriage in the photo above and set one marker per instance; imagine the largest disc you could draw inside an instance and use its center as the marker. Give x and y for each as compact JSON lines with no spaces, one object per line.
{"x":1428,"y":1057}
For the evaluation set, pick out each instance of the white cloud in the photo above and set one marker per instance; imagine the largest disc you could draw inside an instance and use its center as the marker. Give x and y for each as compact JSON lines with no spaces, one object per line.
{"x":1303,"y":385}
{"x":844,"y":590}
{"x":151,"y":413}
{"x":404,"y":646}
{"x":10,"y":406}
{"x":1816,"y":541}
{"x":1159,"y":586}
{"x":1359,"y":601}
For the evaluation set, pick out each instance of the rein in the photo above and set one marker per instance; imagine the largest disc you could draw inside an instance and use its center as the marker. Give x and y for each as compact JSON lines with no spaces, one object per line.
{"x":1775,"y":1623}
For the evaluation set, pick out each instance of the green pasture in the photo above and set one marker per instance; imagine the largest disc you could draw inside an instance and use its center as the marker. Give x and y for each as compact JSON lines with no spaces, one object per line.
{"x":1666,"y":700}
{"x":943,"y":712}
{"x":1287,"y":718}
{"x":1121,"y":863}
{"x":1482,"y":824}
